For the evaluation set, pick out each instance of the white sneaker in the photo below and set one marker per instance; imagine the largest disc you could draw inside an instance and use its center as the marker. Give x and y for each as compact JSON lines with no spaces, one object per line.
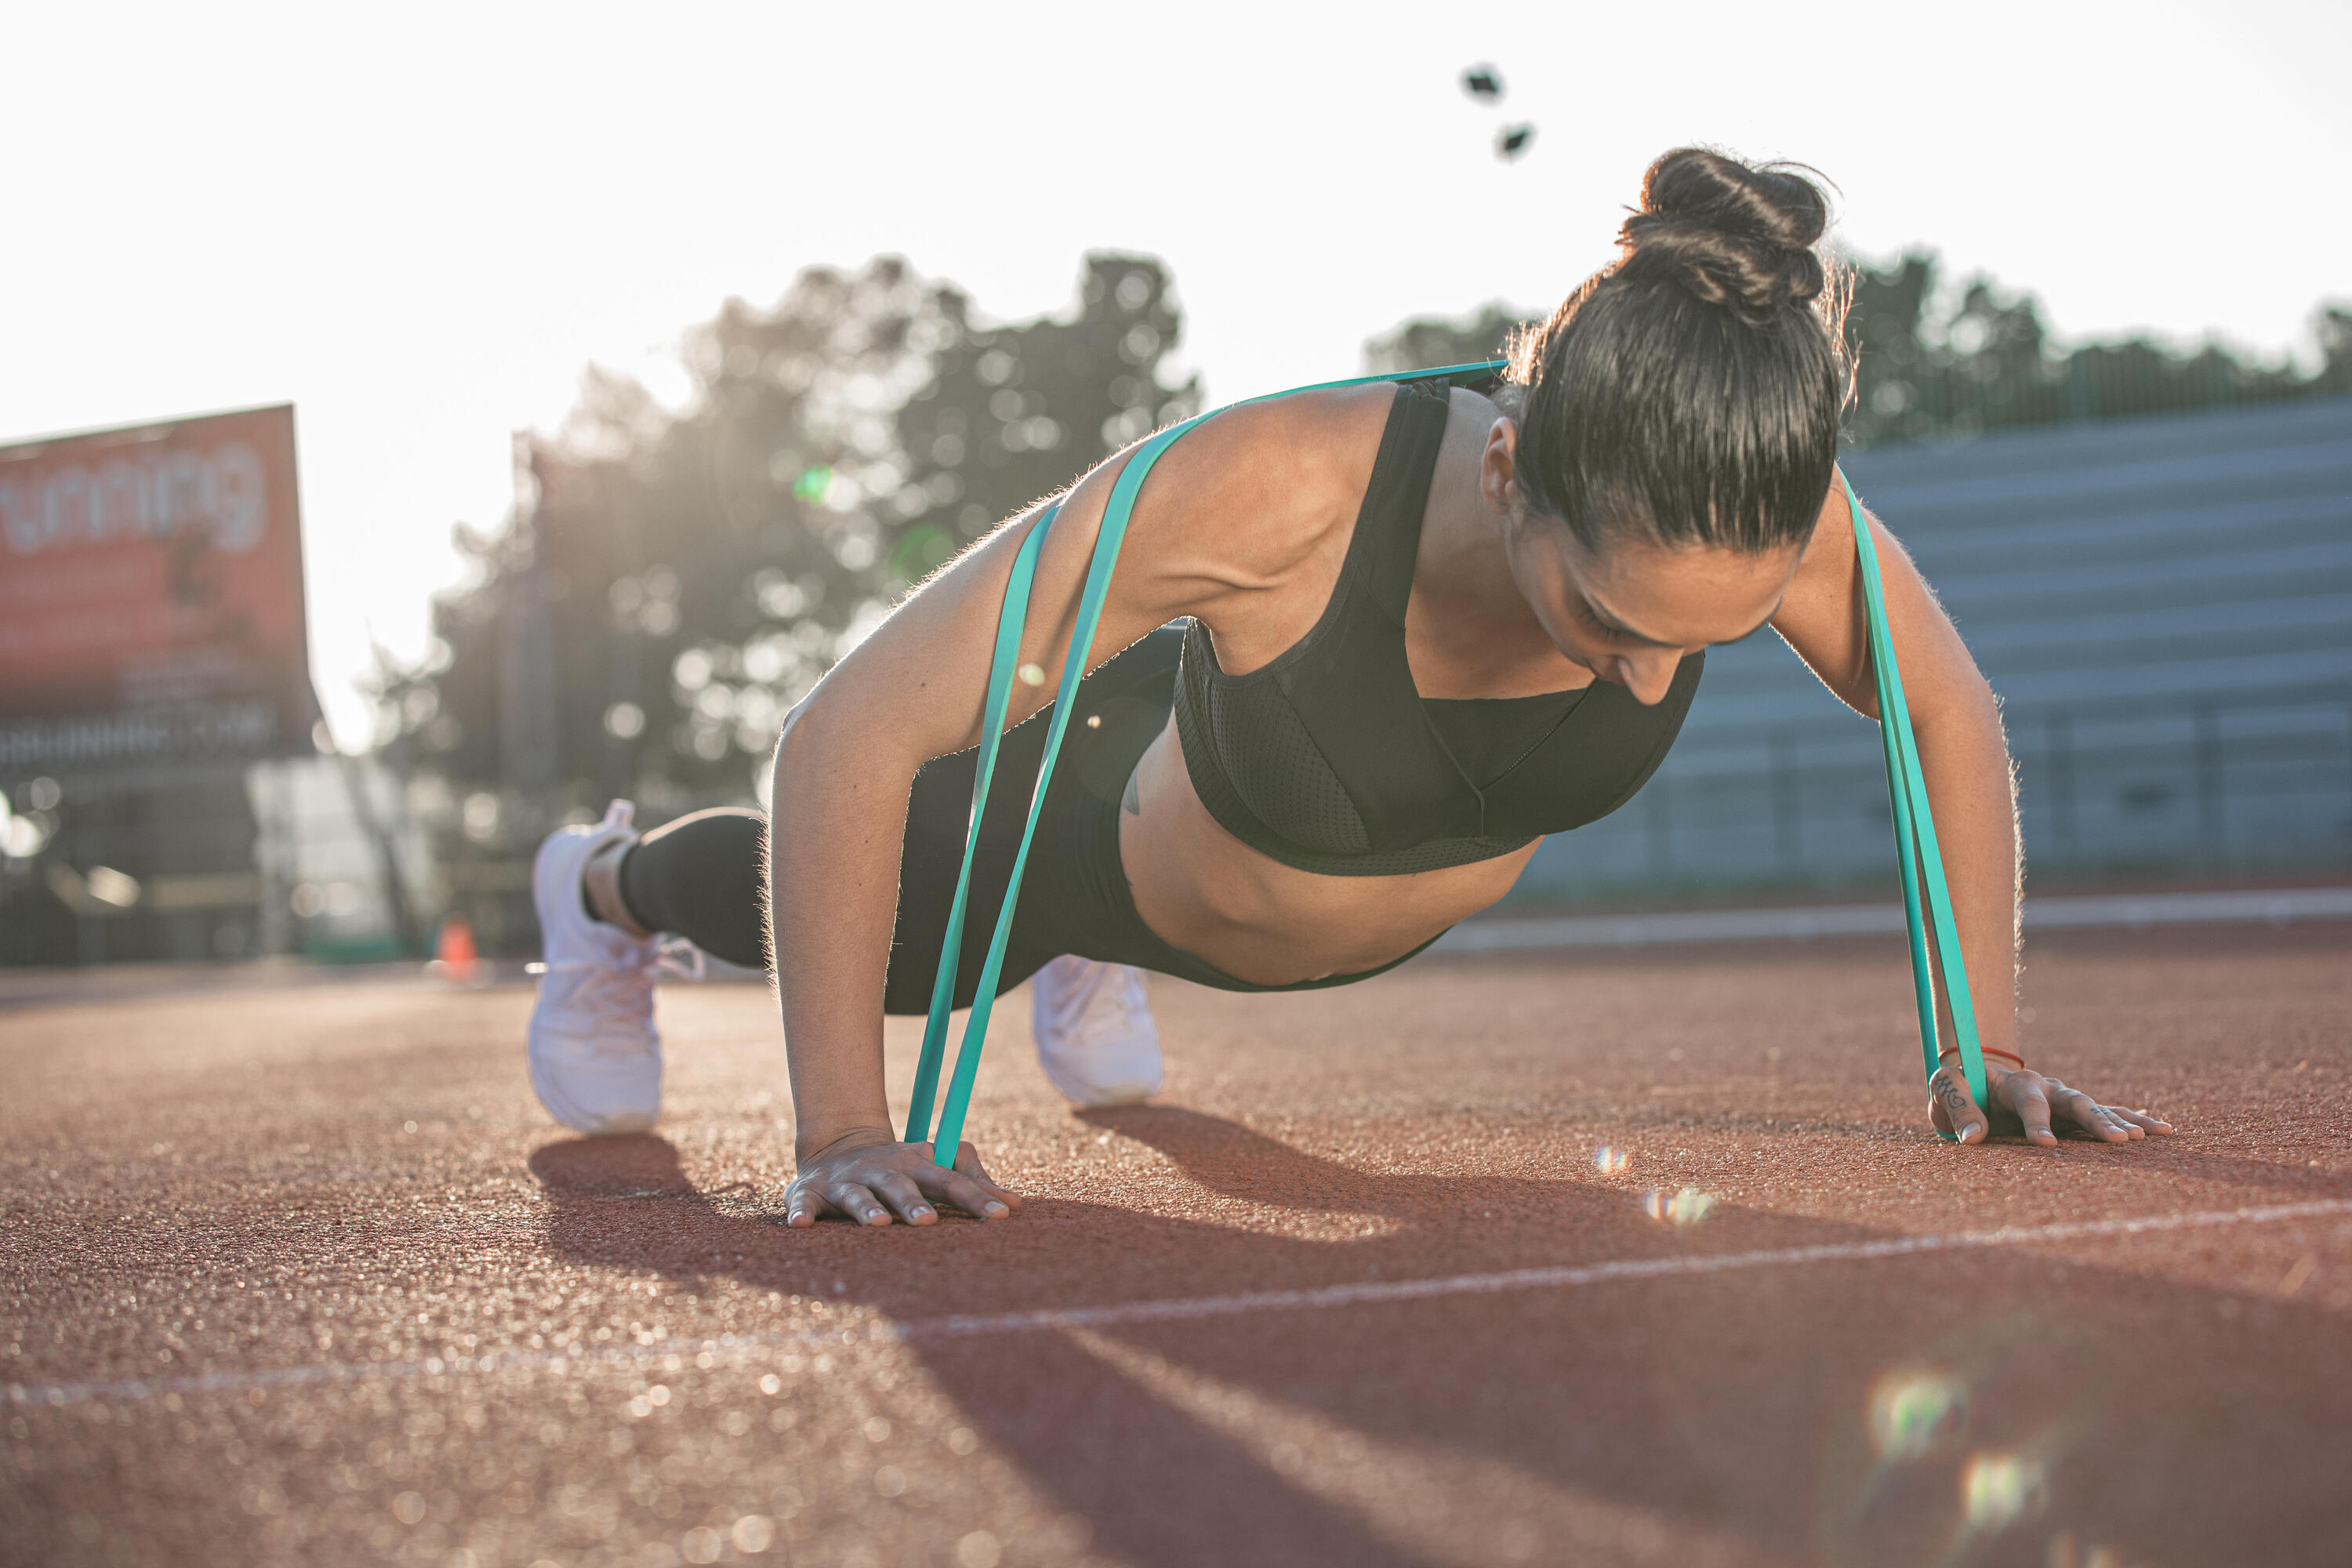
{"x":1095,"y":1037}
{"x":596,"y":1058}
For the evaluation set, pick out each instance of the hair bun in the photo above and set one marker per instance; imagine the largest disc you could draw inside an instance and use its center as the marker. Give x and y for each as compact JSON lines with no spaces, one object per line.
{"x":1733,"y":235}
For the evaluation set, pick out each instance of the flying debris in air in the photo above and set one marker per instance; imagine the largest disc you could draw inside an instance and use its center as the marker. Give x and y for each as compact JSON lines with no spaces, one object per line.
{"x":1485,"y":83}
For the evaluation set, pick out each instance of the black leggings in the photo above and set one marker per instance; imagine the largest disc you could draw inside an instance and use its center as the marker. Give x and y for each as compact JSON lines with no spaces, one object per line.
{"x":700,"y":877}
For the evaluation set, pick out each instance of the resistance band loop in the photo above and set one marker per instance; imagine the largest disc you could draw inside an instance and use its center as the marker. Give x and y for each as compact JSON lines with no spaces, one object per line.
{"x":1116,"y":513}
{"x":994,"y":707}
{"x":1915,"y":834}
{"x":1914,"y":828}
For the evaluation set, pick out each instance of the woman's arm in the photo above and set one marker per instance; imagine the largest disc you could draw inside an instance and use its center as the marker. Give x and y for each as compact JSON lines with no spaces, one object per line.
{"x":1965,"y":759}
{"x":1229,"y":511}
{"x":843,"y":767}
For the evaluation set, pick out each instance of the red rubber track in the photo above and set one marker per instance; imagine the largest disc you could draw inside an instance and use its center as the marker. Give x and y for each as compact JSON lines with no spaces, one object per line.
{"x":302,"y":1274}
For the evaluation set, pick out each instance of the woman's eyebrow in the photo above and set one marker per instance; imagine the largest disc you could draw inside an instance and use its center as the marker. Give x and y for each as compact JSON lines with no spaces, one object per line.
{"x":1608,"y":623}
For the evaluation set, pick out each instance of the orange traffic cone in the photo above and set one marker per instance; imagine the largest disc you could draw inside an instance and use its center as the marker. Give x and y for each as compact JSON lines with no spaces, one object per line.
{"x":454,"y":958}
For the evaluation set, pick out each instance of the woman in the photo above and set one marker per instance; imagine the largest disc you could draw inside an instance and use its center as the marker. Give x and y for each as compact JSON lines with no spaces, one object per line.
{"x":1423,"y":628}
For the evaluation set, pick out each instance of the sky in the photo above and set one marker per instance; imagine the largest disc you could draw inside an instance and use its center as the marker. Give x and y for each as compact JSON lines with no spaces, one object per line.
{"x":419,"y":224}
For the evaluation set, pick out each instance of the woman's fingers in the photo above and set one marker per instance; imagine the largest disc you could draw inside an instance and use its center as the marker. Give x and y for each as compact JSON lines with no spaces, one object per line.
{"x":2102,"y":1119}
{"x":2115,"y":1123}
{"x":967,"y":1163}
{"x":1955,"y":1110}
{"x":904,"y":1194}
{"x":2088,"y":1113}
{"x":2093,"y":1118}
{"x":2024,"y":1093}
{"x":965,"y":1193}
{"x":858,"y":1203}
{"x":806,"y":1203}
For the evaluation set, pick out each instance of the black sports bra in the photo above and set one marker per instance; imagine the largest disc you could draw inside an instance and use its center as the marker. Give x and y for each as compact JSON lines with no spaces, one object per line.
{"x":1328,"y":760}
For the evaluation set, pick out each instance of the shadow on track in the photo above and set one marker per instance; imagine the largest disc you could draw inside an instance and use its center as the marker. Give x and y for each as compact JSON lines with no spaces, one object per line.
{"x":1748,"y":1406}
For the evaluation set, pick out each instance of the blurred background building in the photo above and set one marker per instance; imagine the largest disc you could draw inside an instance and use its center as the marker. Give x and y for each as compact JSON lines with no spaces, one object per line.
{"x":158,"y":727}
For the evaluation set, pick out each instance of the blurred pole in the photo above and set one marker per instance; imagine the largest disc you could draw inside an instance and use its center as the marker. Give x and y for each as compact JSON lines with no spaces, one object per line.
{"x":271,"y":787}
{"x":90,"y":848}
{"x":528,"y":715}
{"x":389,"y":880}
{"x":622,"y":660}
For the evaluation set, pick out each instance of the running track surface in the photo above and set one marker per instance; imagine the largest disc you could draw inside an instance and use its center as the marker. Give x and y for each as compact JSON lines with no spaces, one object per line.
{"x":300,"y":1273}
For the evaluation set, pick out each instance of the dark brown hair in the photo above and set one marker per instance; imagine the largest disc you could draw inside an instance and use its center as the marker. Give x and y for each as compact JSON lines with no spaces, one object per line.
{"x":1689,"y":394}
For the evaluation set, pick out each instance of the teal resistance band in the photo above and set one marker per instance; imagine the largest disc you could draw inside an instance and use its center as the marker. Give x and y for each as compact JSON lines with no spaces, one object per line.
{"x":1913,"y":824}
{"x":1915,"y":832}
{"x":1010,"y":619}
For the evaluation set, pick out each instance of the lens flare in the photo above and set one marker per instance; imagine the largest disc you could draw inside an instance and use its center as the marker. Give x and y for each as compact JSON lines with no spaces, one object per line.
{"x":1681,"y":1209}
{"x":1610,"y":1161}
{"x":1912,"y":1413}
{"x":1997,"y":1490}
{"x":1958,"y":1446}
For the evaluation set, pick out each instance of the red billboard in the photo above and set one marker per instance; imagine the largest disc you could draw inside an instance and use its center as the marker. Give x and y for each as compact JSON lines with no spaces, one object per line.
{"x":151,"y":597}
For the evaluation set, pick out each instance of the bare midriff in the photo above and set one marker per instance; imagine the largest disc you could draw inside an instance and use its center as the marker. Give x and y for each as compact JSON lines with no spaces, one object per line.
{"x":1203,"y":890}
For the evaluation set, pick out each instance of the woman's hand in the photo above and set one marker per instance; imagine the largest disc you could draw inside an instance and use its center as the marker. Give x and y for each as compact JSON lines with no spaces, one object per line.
{"x":2028,"y":1102}
{"x":863,"y":1176}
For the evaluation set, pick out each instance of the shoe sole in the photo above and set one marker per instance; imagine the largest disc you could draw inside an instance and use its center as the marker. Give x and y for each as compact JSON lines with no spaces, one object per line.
{"x":1107,"y":1099}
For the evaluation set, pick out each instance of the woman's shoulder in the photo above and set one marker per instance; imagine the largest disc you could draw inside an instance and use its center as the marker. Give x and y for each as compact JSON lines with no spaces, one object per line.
{"x":1269,"y":484}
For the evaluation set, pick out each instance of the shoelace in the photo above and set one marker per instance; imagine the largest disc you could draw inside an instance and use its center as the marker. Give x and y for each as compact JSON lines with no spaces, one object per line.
{"x":668,"y":956}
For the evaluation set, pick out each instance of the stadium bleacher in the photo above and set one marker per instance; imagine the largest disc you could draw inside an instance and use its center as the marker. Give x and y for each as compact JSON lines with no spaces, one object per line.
{"x":2165,"y":606}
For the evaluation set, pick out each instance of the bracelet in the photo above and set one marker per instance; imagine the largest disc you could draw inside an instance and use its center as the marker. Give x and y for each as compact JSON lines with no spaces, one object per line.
{"x":2015,"y":1061}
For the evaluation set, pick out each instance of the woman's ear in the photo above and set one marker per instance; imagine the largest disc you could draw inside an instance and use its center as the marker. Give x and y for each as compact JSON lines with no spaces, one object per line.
{"x":1499,"y":467}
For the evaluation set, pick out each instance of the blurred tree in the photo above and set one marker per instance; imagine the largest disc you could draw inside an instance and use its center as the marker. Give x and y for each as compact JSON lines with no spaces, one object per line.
{"x":1918,"y":372}
{"x":1012,"y":414}
{"x":1428,"y":341}
{"x":671,"y":584}
{"x":2333,"y":327}
{"x":1986,"y":363}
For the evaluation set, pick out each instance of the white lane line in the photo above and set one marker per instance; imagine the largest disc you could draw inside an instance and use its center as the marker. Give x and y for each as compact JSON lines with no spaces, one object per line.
{"x":737,"y":1347}
{"x":1570,"y":1275}
{"x":2128,"y":912}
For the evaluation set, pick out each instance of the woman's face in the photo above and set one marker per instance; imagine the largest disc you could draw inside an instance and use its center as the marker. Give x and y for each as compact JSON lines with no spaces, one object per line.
{"x":1632,"y":612}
